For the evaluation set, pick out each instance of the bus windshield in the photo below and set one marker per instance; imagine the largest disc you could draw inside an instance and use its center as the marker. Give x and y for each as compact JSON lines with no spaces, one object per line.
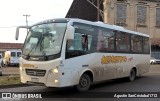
{"x":44,"y":39}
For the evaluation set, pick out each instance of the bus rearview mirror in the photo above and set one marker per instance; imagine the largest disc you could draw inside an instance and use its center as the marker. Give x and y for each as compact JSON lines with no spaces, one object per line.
{"x":70,"y":32}
{"x":17,"y":31}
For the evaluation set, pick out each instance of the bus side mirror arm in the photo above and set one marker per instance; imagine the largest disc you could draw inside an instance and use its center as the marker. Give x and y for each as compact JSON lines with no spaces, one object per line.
{"x":17,"y":31}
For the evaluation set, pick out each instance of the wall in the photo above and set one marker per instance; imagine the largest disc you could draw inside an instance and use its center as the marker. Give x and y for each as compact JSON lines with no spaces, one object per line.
{"x":131,"y":16}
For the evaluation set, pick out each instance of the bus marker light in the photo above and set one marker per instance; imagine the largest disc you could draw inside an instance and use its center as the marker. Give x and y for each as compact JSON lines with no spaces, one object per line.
{"x":56,"y":81}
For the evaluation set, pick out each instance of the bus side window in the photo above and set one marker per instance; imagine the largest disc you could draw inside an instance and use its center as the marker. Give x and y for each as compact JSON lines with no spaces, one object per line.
{"x":78,"y":46}
{"x":108,"y":40}
{"x":136,"y":43}
{"x":122,"y":42}
{"x":146,"y":45}
{"x":76,"y":43}
{"x":89,"y":41}
{"x":81,"y":42}
{"x":84,"y":42}
{"x":70,"y":45}
{"x":100,"y":43}
{"x":117,"y":41}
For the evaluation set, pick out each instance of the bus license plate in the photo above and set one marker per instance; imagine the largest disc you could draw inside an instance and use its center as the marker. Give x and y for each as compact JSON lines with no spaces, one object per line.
{"x":34,"y":79}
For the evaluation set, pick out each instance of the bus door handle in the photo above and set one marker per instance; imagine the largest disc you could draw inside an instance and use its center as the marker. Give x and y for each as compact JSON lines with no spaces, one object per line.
{"x":85,"y":65}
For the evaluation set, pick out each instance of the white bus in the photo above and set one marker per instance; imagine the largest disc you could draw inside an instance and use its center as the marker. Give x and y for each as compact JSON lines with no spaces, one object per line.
{"x":74,"y":52}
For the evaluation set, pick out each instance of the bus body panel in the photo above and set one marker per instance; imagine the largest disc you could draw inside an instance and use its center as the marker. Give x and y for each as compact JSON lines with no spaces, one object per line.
{"x":92,"y":62}
{"x":49,"y":78}
{"x":102,"y":65}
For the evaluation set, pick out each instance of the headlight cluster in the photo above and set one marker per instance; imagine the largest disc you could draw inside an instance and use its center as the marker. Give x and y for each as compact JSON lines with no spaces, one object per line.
{"x":55,"y":70}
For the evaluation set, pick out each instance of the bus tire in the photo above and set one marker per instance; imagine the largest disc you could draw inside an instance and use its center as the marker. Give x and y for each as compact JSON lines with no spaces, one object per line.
{"x":132,"y":74}
{"x":84,"y":83}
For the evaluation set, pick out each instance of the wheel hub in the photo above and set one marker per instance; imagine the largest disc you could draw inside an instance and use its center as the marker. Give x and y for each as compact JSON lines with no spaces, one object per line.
{"x":83,"y":82}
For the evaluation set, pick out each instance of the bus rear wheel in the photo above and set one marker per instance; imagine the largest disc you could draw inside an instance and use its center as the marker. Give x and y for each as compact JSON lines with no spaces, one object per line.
{"x":84,"y":83}
{"x":132,"y":75}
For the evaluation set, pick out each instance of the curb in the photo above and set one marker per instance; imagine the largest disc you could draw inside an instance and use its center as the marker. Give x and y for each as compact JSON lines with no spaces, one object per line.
{"x":14,"y":85}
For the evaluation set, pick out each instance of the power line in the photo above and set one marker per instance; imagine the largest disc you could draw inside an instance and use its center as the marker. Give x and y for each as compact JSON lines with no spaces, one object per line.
{"x":8,"y":26}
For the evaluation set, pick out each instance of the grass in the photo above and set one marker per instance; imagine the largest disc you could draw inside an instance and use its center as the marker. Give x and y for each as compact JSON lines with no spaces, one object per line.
{"x":9,"y":80}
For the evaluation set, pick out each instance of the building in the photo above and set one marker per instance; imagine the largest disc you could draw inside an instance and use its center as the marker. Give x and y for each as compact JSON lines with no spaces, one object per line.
{"x":137,"y":15}
{"x":85,"y":9}
{"x":10,"y":46}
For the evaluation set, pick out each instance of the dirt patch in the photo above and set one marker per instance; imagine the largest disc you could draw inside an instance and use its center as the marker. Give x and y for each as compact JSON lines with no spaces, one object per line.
{"x":9,"y":80}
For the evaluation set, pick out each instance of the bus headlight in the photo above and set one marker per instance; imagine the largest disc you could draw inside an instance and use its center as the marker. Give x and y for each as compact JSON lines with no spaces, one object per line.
{"x":55,"y":70}
{"x":21,"y":68}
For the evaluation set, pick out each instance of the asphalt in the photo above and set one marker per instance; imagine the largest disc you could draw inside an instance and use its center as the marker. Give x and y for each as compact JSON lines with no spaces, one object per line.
{"x":14,"y":85}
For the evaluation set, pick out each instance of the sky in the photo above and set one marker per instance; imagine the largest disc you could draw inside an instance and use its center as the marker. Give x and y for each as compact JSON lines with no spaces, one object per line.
{"x":12,"y":11}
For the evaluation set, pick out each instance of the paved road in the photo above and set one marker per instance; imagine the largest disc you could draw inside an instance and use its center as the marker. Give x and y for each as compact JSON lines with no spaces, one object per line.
{"x":149,"y":82}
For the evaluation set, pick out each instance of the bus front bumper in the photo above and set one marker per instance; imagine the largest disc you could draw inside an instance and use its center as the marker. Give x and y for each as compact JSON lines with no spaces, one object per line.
{"x":50,"y":79}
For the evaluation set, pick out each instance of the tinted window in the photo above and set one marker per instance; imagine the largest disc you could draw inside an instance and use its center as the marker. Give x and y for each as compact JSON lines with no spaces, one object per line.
{"x":18,"y":54}
{"x":106,"y":40}
{"x":146,"y":47}
{"x":89,"y":41}
{"x":136,"y":43}
{"x":82,"y":42}
{"x":100,"y":41}
{"x":13,"y":54}
{"x":122,"y":42}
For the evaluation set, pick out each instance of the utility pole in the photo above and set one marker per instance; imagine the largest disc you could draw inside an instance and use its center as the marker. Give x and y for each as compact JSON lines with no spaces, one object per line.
{"x":26,"y":15}
{"x":98,"y":18}
{"x":96,"y":4}
{"x":105,"y":10}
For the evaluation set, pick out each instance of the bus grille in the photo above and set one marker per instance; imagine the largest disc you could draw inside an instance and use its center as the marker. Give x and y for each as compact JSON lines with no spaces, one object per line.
{"x":35,"y":72}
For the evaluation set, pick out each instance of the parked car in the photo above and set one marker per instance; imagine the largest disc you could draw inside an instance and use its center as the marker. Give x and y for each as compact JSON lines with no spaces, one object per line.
{"x":1,"y":60}
{"x":154,"y":61}
{"x":0,"y":70}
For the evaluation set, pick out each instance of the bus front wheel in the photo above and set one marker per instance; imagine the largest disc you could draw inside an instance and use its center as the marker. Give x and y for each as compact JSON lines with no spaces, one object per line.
{"x":132,"y":74}
{"x":84,"y":83}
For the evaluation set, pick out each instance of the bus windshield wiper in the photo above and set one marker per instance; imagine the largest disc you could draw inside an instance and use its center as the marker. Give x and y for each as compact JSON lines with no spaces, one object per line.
{"x":44,"y":55}
{"x":28,"y":55}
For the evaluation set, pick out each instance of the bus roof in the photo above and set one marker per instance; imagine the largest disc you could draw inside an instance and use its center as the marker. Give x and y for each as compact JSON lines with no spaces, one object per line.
{"x":100,"y":24}
{"x":114,"y":27}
